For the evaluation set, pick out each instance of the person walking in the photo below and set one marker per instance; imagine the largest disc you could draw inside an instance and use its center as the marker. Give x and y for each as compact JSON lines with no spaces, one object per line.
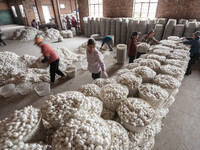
{"x":149,"y":38}
{"x":34,"y":24}
{"x":51,"y":57}
{"x":194,"y":51}
{"x":94,"y":59}
{"x":109,"y":41}
{"x":132,"y":47}
{"x":1,"y":41}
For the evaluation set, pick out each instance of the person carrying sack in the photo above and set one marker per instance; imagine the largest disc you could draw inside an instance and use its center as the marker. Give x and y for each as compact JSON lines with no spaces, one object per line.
{"x":51,"y":57}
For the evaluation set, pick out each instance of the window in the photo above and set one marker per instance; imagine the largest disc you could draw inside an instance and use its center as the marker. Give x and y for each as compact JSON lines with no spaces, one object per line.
{"x":144,"y":8}
{"x":62,"y":5}
{"x":36,"y":14}
{"x":22,"y":10}
{"x":14,"y":11}
{"x":96,"y":8}
{"x":47,"y":15}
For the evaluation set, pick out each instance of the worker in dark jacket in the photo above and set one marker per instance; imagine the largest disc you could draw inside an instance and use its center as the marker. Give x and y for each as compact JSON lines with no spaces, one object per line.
{"x":51,"y":57}
{"x":194,"y":52}
{"x":34,"y":24}
{"x":132,"y":47}
{"x":1,"y":41}
{"x":109,"y":41}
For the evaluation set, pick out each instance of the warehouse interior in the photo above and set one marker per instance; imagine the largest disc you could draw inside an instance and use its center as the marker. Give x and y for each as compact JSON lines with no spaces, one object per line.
{"x":148,"y":104}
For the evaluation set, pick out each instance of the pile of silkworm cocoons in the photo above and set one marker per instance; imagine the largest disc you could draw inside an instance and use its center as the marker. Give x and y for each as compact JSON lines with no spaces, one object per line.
{"x":90,"y":90}
{"x":60,"y":106}
{"x":145,"y":72}
{"x":123,"y":112}
{"x":136,"y":112}
{"x":152,"y":93}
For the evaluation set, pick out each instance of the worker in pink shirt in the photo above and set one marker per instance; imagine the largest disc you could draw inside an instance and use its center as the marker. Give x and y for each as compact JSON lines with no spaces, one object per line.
{"x":51,"y":57}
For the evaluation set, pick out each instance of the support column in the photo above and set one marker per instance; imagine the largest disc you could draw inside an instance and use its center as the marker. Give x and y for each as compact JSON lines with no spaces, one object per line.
{"x":56,"y":9}
{"x":40,"y":11}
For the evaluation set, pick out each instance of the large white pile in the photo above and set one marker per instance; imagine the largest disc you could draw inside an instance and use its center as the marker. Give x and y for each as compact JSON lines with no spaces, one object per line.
{"x":17,"y":127}
{"x":168,"y":43}
{"x":112,"y":95}
{"x":90,"y":90}
{"x":159,"y":58}
{"x":176,"y":62}
{"x":131,"y":81}
{"x":179,"y":55}
{"x":83,"y":132}
{"x":119,"y":136}
{"x":167,"y":81}
{"x":145,"y":72}
{"x":92,"y":105}
{"x":66,"y":33}
{"x":173,"y":38}
{"x":101,"y":82}
{"x":151,"y":63}
{"x":162,"y":52}
{"x":173,"y":71}
{"x":57,"y":109}
{"x":153,"y":94}
{"x":132,"y":65}
{"x":52,"y":34}
{"x":136,"y":112}
{"x":143,"y":47}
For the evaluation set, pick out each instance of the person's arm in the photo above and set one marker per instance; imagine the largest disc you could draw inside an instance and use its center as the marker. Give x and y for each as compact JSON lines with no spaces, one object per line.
{"x":100,"y":61}
{"x":189,"y":38}
{"x":103,"y":42}
{"x":188,"y":42}
{"x":143,"y":38}
{"x":45,"y":59}
{"x":155,"y":41}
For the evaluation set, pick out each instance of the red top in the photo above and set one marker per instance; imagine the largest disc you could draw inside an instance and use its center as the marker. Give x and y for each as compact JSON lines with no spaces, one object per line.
{"x":74,"y":22}
{"x":48,"y":51}
{"x":132,"y":47}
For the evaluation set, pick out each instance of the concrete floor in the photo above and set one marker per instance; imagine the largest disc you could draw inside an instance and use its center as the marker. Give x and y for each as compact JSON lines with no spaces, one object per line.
{"x":181,"y":129}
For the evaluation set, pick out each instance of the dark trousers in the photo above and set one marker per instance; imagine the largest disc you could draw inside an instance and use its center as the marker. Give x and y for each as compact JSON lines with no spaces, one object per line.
{"x":139,"y":54}
{"x":1,"y":41}
{"x":131,"y":58}
{"x":96,"y":75}
{"x":192,"y":61}
{"x":109,"y":45}
{"x":54,"y":69}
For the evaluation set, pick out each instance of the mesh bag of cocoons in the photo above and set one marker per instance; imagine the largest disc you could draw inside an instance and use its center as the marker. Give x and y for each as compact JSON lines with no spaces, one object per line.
{"x":160,"y":46}
{"x":135,"y":114}
{"x":162,"y":52}
{"x":131,"y":81}
{"x":122,"y":71}
{"x":182,"y":46}
{"x":180,"y":56}
{"x":20,"y":127}
{"x":167,"y":81}
{"x":151,"y":63}
{"x":168,"y":102}
{"x":148,"y":145}
{"x":161,"y":113}
{"x":153,"y":94}
{"x":135,"y":139}
{"x":61,"y":106}
{"x":101,"y":82}
{"x":90,"y":90}
{"x":176,"y":62}
{"x":92,"y":105}
{"x":173,"y":38}
{"x":159,"y":58}
{"x":66,"y":33}
{"x":107,"y":114}
{"x":132,"y":65}
{"x":86,"y":131}
{"x":112,"y":95}
{"x":172,"y":70}
{"x":119,"y":136}
{"x":168,"y":43}
{"x":145,"y":72}
{"x":182,"y":51}
{"x":143,"y":47}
